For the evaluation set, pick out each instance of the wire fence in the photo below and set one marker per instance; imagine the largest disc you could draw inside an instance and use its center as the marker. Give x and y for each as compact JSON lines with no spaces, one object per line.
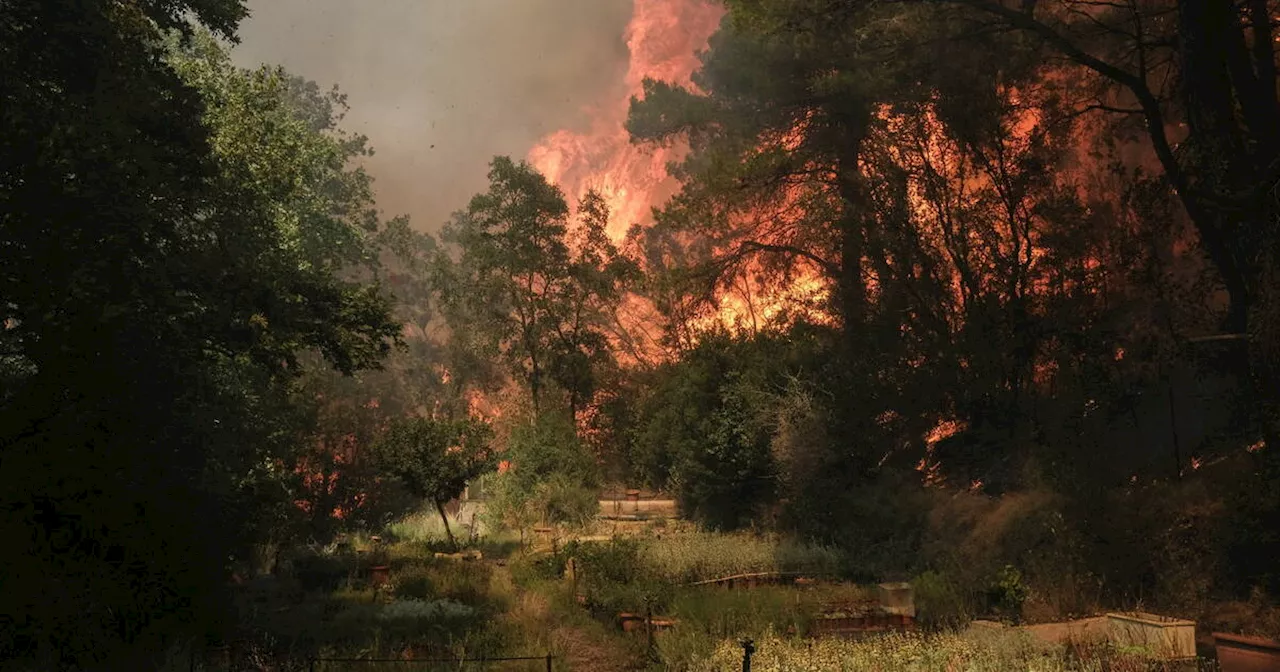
{"x":323,"y":664}
{"x":228,"y":662}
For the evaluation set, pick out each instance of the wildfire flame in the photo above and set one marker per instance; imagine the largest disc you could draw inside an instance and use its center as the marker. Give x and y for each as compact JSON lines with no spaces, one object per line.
{"x":663,"y":37}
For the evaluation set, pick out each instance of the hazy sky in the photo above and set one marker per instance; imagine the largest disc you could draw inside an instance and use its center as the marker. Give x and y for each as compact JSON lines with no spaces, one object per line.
{"x":474,"y":78}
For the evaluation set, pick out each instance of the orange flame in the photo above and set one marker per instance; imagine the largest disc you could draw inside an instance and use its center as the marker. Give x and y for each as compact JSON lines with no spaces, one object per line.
{"x":663,"y":37}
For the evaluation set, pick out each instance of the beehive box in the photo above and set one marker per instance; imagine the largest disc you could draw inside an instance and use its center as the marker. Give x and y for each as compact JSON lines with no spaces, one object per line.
{"x":1161,"y":636}
{"x":897,"y":599}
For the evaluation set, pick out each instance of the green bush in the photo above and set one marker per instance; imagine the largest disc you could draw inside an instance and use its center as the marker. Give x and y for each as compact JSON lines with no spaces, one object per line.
{"x":704,"y":430}
{"x":617,"y":561}
{"x":320,"y":571}
{"x":940,"y":601}
{"x":566,"y":502}
{"x":1008,"y":592}
{"x":614,"y":578}
{"x":553,"y":478}
{"x":465,"y":582}
{"x":414,"y":582}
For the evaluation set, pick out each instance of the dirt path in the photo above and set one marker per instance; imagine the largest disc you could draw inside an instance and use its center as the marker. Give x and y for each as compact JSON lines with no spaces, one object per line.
{"x":584,"y":651}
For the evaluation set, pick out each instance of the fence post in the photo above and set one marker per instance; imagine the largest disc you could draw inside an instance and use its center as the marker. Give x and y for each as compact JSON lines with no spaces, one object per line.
{"x":747,"y":649}
{"x":648,"y":624}
{"x":548,"y":662}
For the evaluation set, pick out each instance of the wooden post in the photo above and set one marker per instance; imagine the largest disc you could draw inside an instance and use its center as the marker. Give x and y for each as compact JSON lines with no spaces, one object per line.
{"x":748,"y":648}
{"x":648,"y":624}
{"x":548,"y":662}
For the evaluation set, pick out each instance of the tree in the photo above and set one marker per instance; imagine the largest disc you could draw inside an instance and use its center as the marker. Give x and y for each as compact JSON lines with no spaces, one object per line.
{"x":521,"y":282}
{"x":706,"y":424}
{"x":787,"y":179}
{"x":1220,"y":58}
{"x":171,"y":246}
{"x":437,"y":459}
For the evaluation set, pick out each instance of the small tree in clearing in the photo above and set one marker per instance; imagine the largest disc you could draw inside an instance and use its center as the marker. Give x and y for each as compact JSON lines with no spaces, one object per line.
{"x":436,"y":459}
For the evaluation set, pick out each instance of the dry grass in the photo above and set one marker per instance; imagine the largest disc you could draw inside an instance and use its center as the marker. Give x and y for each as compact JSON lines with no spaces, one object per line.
{"x":979,"y":651}
{"x":685,"y":557}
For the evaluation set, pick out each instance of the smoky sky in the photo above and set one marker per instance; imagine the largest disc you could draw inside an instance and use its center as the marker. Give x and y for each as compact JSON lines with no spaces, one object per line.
{"x":442,"y":86}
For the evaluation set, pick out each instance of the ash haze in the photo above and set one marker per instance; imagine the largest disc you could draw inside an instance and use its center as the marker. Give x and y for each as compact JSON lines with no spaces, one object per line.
{"x":442,"y":86}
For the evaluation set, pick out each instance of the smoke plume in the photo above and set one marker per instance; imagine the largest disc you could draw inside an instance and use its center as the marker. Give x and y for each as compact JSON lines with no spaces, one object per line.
{"x":441,"y":86}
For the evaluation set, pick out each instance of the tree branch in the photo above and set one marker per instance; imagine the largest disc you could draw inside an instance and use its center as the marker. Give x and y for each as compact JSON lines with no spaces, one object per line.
{"x":1147,"y":100}
{"x":827,"y":267}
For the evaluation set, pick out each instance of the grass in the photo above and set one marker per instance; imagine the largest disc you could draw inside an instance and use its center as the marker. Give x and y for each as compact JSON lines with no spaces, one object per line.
{"x":425,"y":528}
{"x":444,"y":608}
{"x":910,"y":652}
{"x":686,"y":557}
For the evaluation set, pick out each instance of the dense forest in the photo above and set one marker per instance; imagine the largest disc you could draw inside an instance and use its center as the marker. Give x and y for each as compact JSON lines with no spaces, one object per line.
{"x":978,"y":290}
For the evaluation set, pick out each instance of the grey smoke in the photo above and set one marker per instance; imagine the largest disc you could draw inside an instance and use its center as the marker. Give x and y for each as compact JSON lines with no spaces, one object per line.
{"x":441,"y":86}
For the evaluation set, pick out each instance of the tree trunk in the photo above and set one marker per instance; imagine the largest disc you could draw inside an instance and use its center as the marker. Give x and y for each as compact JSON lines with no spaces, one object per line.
{"x":852,"y":289}
{"x":445,"y":519}
{"x":535,"y":385}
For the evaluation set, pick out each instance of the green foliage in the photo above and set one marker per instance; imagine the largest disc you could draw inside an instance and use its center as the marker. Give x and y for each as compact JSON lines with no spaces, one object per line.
{"x":523,"y":284}
{"x":174,"y":225}
{"x":615,"y":579}
{"x":704,"y":428}
{"x":1008,"y":592}
{"x":547,"y":445}
{"x":552,"y":477}
{"x":436,"y":459}
{"x":724,"y":481}
{"x":414,"y":582}
{"x":437,"y":608}
{"x":318,"y":571}
{"x":563,"y":500}
{"x":940,"y":602}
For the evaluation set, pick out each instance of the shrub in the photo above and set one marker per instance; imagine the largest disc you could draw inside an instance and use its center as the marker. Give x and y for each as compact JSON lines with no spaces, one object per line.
{"x":418,"y":611}
{"x":940,"y":601}
{"x":466,"y":582}
{"x":317,"y":571}
{"x":614,"y":578}
{"x":877,"y":524}
{"x":727,"y":474}
{"x":1008,"y":593}
{"x":414,"y":582}
{"x":566,"y":502}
